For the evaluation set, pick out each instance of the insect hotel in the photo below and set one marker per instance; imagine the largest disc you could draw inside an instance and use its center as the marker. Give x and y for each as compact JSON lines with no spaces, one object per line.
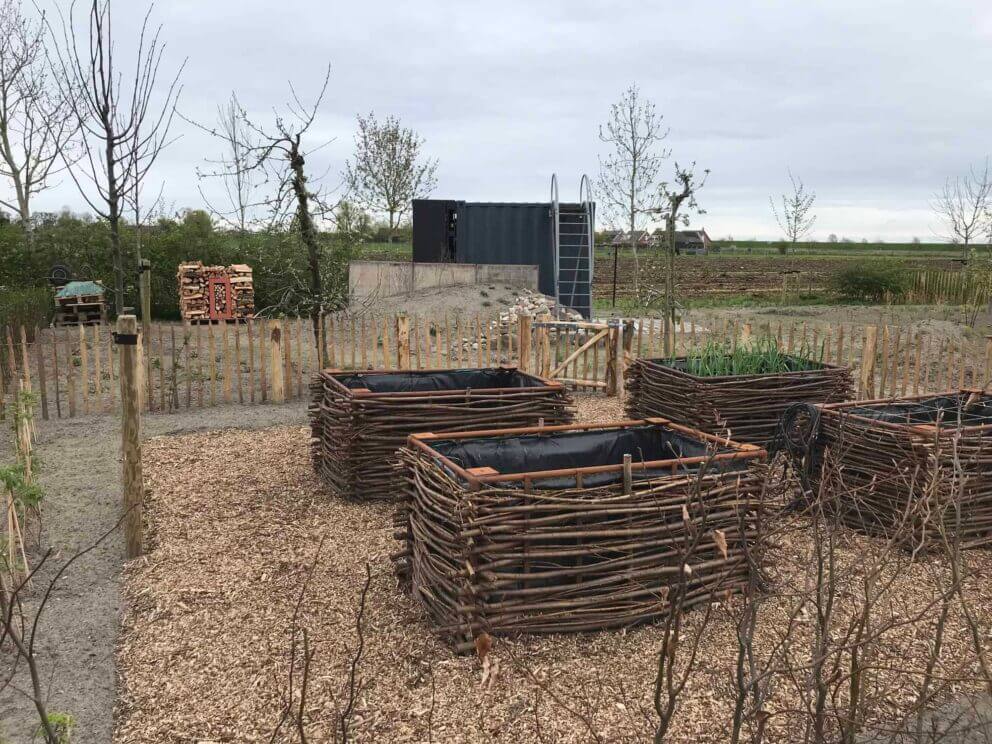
{"x":360,"y":419}
{"x":915,"y":469}
{"x":215,"y":293}
{"x":745,"y":407}
{"x":572,"y":528}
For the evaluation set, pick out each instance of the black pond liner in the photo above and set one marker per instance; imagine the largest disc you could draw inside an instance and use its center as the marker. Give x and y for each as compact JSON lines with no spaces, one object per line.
{"x":526,"y":453}
{"x":441,"y":381}
{"x":794,"y":364}
{"x":947,"y":409}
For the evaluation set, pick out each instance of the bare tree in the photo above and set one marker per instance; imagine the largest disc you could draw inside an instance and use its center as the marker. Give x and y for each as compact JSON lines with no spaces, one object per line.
{"x":388,"y":170}
{"x":19,"y":628}
{"x":241,"y":183}
{"x":279,"y":152}
{"x":351,"y":221}
{"x":678,"y":199}
{"x":964,"y":206}
{"x":123,"y":129}
{"x":795,"y":219}
{"x":36,"y":121}
{"x":295,"y":709}
{"x":628,"y":175}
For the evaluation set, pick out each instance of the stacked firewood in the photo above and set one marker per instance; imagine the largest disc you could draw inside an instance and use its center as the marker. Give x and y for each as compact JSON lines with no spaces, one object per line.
{"x":922,"y":481}
{"x":194,"y":296}
{"x":242,"y":289}
{"x":745,"y":408}
{"x":504,"y":560}
{"x":356,"y":433}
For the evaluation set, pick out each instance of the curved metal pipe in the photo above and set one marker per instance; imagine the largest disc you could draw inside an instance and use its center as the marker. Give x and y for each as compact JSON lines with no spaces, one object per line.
{"x":555,"y":237}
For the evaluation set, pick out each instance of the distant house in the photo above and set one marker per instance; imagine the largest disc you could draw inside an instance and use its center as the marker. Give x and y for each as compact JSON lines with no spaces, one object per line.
{"x":692,"y":242}
{"x":689,"y":242}
{"x":606,"y":237}
{"x":642,"y":238}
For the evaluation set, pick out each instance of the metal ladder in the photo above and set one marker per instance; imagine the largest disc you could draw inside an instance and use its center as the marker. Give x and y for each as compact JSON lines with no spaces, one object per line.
{"x":572,"y":233}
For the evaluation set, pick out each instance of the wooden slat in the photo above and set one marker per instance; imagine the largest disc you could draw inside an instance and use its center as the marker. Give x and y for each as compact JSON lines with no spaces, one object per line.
{"x":55,"y":375}
{"x":250,"y":326}
{"x":161,"y":370}
{"x":263,"y":359}
{"x":212,"y":351}
{"x":237,"y":363}
{"x":84,"y":368}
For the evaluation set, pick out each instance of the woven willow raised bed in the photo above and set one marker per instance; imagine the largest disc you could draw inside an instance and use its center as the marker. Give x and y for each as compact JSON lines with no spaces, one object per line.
{"x":359,"y":419}
{"x":746,"y":408}
{"x":902,"y":467}
{"x":546,"y":530}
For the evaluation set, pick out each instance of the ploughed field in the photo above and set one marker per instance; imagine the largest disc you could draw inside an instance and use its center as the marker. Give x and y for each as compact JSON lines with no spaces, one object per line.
{"x":714,"y":275}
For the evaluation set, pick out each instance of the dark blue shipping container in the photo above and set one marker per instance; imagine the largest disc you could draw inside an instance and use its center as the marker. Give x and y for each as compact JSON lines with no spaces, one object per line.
{"x":491,"y":233}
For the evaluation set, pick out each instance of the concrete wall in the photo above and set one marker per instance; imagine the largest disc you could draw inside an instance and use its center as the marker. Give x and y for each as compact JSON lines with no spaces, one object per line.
{"x":389,"y":278}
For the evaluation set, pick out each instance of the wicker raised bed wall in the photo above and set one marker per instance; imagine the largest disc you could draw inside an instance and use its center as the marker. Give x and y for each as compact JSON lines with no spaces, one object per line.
{"x":547,"y":530}
{"x":915,"y":469}
{"x":359,"y":419}
{"x":746,"y":408}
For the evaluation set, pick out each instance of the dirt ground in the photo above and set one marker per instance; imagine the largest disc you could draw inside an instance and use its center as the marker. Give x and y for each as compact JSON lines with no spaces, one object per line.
{"x":237,"y":519}
{"x":79,"y":473}
{"x":467,"y":300}
{"x":942,"y":323}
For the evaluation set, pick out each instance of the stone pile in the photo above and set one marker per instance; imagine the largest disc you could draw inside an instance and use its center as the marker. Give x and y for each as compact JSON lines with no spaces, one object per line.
{"x":535,"y":304}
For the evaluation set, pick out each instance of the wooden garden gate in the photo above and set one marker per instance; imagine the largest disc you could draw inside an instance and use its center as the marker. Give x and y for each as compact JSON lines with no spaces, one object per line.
{"x":581,"y":354}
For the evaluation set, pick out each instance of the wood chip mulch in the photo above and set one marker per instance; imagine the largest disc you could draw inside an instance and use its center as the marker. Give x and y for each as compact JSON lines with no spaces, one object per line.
{"x":235,"y":519}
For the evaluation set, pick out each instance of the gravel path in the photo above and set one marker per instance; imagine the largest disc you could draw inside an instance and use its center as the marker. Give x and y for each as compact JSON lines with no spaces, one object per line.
{"x":78,"y":632}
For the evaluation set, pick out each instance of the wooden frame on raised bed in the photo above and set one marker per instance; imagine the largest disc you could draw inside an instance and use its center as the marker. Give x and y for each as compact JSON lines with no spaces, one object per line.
{"x":477,"y":480}
{"x":921,"y":484}
{"x":542,"y":382}
{"x":567,"y":550}
{"x":748,"y":406}
{"x":356,"y":431}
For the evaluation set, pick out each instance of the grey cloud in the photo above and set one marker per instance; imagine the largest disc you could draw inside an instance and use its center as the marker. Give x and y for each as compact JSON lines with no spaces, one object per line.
{"x":873,"y":104}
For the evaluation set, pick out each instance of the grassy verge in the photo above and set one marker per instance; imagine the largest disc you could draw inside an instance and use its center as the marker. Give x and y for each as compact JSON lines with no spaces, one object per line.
{"x":384,"y":252}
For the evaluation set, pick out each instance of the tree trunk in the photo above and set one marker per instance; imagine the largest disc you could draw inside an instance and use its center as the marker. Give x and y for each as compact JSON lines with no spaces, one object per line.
{"x":670,"y":286}
{"x":114,"y":218}
{"x":118,"y":257}
{"x":308,"y":234}
{"x":633,"y":251}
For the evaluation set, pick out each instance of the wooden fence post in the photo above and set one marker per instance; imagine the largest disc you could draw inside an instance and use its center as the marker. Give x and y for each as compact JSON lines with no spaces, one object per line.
{"x":278,"y":381}
{"x":402,"y":342}
{"x":25,"y":363}
{"x":544,"y":341}
{"x":127,"y":329}
{"x":39,"y":355}
{"x":523,"y":342}
{"x":321,"y":348}
{"x":867,"y":388}
{"x":55,"y":373}
{"x":614,"y":348}
{"x":625,"y":336}
{"x":145,"y":287}
{"x":84,"y":367}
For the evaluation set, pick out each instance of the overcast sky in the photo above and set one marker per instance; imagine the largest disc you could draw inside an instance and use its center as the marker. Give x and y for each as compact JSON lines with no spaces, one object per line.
{"x":872,"y":103}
